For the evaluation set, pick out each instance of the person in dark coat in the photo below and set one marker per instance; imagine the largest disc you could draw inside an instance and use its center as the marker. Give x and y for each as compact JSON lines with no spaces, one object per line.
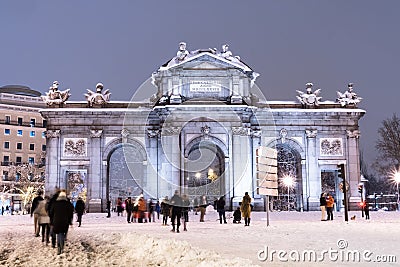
{"x":176,"y":204}
{"x":322,"y":204}
{"x":62,"y":212}
{"x":35,"y":203}
{"x":79,"y":209}
{"x":108,"y":208}
{"x":221,"y":209}
{"x":165,"y":210}
{"x":48,"y":208}
{"x":237,"y":215}
{"x":128,"y":208}
{"x":185,"y":211}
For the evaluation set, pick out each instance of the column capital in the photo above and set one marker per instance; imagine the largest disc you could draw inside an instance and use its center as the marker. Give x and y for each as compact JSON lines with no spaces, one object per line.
{"x":53,"y":133}
{"x":311,"y":133}
{"x":353,"y":133}
{"x":96,"y":133}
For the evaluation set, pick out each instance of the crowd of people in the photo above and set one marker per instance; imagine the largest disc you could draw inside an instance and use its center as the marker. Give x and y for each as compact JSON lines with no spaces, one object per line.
{"x":52,"y":217}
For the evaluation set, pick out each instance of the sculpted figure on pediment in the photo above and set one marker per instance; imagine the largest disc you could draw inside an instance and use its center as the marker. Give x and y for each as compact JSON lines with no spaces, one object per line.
{"x":349,"y":97}
{"x":98,"y":97}
{"x":54,"y":96}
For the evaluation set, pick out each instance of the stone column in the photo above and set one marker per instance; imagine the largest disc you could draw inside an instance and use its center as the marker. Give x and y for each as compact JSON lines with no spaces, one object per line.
{"x":171,"y":166}
{"x":53,"y":156}
{"x":353,"y":162}
{"x":313,"y":183}
{"x":152,"y":167}
{"x":95,"y":172}
{"x":241,"y":161}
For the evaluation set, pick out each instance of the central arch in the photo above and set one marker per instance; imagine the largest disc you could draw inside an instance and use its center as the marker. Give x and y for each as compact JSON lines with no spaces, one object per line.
{"x":126,"y":172}
{"x":204,"y":169}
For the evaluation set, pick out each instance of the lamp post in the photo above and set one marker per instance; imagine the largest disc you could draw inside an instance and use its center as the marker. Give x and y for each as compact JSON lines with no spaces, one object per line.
{"x":396,"y":178}
{"x":288,"y":181}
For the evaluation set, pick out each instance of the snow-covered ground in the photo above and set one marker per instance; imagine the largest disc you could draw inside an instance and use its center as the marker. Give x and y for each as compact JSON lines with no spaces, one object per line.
{"x":291,"y":237}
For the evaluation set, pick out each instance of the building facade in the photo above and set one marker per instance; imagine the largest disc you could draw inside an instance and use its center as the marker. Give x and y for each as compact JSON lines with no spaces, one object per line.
{"x":22,"y":140}
{"x":195,"y":127}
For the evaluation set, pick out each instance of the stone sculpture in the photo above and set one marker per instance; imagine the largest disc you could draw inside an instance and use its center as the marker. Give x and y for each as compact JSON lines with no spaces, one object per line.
{"x":348,"y":97}
{"x":56,"y":97}
{"x":309,"y":98}
{"x":98,"y":97}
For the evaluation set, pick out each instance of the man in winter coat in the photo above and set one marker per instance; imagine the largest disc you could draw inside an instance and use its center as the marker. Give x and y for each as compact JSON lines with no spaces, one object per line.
{"x":50,"y":203}
{"x":245,"y":208}
{"x":221,"y":209}
{"x":128,"y":208}
{"x":35,"y":203}
{"x":62,"y":212}
{"x":176,"y":203}
{"x":79,"y":209}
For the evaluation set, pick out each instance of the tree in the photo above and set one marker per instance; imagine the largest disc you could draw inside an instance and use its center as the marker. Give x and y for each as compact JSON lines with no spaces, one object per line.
{"x":388,"y":145}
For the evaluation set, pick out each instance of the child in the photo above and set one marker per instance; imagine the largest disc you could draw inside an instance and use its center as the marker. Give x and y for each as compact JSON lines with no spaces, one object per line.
{"x":237,"y":215}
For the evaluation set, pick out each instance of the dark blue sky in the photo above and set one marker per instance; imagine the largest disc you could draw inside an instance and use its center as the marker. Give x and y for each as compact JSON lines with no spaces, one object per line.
{"x":120,"y":43}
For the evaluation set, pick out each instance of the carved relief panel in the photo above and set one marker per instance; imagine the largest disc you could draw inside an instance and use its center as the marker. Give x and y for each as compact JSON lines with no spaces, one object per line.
{"x":75,"y":147}
{"x":331,"y":147}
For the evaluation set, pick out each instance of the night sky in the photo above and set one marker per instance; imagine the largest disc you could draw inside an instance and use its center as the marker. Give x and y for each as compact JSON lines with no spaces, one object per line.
{"x":290,"y":43}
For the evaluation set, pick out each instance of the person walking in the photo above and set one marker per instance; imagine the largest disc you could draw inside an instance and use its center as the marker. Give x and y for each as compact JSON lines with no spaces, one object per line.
{"x":152,"y":216}
{"x":128,"y":208}
{"x":62,"y":212}
{"x":330,"y":201}
{"x":366,"y":209}
{"x":202,"y":207}
{"x":322,"y":205}
{"x":165,"y":210}
{"x":79,"y":209}
{"x":221,"y":209}
{"x":245,"y":208}
{"x":108,"y":208}
{"x":120,"y":209}
{"x":35,"y":203}
{"x":176,"y":205}
{"x":142,"y":208}
{"x":49,"y":206}
{"x":44,"y":219}
{"x":158,"y":209}
{"x":185,"y":211}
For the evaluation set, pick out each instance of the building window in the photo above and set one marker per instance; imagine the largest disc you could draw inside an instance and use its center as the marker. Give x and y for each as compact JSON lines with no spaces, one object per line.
{"x":6,"y":161}
{"x":31,"y":146}
{"x":19,"y":121}
{"x":19,"y":145}
{"x":17,"y":176}
{"x":33,"y":122}
{"x":18,"y":160}
{"x":43,"y":147}
{"x":7,"y":145}
{"x":7,"y":131}
{"x":8,"y":119}
{"x":44,"y":123}
{"x":43,"y":134}
{"x":19,"y":132}
{"x":32,"y":134}
{"x":31,"y":160}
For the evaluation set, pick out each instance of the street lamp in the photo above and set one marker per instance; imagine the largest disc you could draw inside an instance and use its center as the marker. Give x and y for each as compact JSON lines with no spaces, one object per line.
{"x":289,"y":182}
{"x":396,"y":178}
